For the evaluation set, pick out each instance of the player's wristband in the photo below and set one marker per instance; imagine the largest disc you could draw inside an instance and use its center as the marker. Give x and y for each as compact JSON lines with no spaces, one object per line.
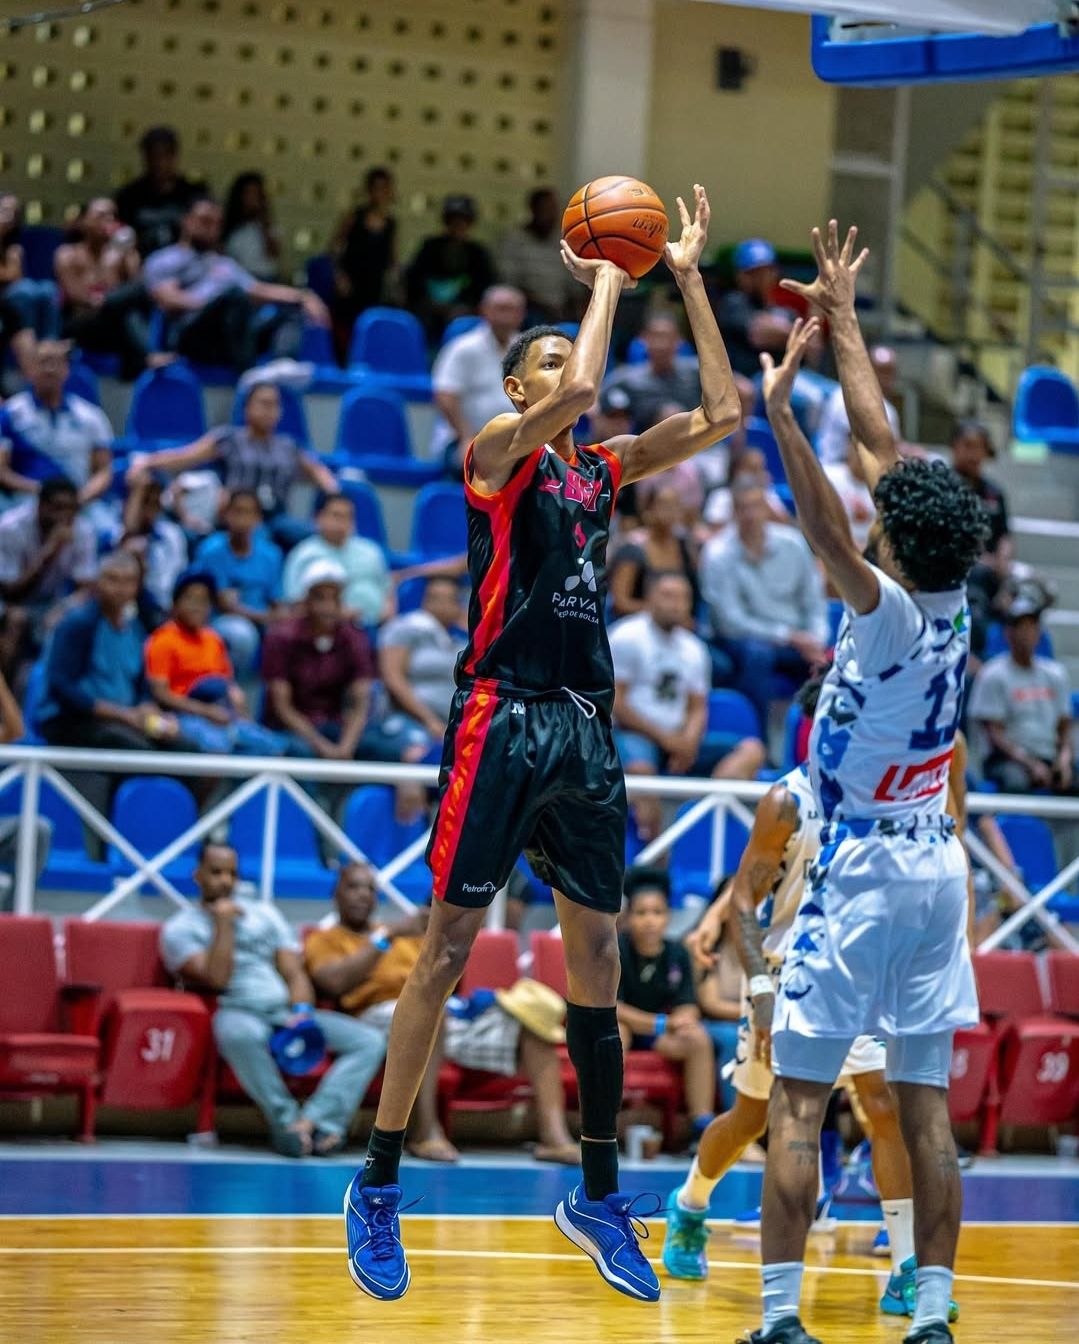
{"x":661,"y":1023}
{"x":382,"y":940}
{"x":303,"y":1009}
{"x":760,"y":985}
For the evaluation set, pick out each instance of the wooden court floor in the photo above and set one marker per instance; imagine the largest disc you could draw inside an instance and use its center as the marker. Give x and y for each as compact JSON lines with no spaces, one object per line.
{"x":229,"y":1280}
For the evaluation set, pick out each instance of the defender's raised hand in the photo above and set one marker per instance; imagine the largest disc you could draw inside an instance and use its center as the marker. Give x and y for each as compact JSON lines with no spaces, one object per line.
{"x":834,"y":286}
{"x":683,"y":257}
{"x":778,"y":379}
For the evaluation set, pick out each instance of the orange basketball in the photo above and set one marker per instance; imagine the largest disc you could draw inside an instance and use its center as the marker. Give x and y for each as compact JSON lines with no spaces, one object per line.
{"x":618,"y":219}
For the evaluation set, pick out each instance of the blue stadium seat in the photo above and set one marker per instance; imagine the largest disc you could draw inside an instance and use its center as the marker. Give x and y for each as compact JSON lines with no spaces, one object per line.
{"x":316,"y":346}
{"x":298,"y":867}
{"x":439,"y":525}
{"x":835,"y":615}
{"x":791,"y":725}
{"x":70,"y":868}
{"x":371,"y":824}
{"x":39,"y":244}
{"x":1047,"y":409}
{"x":691,"y":856}
{"x":1031,"y":842}
{"x":372,"y":435}
{"x":82,"y":382}
{"x":369,"y":520}
{"x":458,"y":326}
{"x":995,"y":642}
{"x":637,"y":352}
{"x":293,"y":415}
{"x":759,"y":435}
{"x":410,"y":595}
{"x":166,"y":407}
{"x":31,"y":703}
{"x":320,"y":277}
{"x":389,"y":344}
{"x":151,"y":812}
{"x":730,"y":714}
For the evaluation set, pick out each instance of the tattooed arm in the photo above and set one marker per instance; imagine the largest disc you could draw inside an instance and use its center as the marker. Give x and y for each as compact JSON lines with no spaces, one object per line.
{"x":775,"y":823}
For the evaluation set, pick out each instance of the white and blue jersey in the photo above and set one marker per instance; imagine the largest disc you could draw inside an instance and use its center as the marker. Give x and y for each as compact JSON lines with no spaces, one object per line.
{"x":42,"y":443}
{"x":884,"y":731}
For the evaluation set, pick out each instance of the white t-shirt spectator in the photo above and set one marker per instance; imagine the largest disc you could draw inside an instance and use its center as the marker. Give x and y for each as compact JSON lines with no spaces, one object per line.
{"x":766,"y":598}
{"x":261,"y":932}
{"x":20,"y":545}
{"x":42,"y":443}
{"x":661,"y":669}
{"x":833,"y":428}
{"x":432,"y":655}
{"x":1028,"y":701}
{"x":470,"y":367}
{"x":856,"y":498}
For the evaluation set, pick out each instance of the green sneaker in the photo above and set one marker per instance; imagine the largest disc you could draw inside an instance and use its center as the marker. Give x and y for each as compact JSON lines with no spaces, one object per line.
{"x":685,"y":1244}
{"x":902,"y":1291}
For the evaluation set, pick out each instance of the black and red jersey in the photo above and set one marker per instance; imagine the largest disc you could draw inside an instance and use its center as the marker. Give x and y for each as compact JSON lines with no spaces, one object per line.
{"x":537,"y":556}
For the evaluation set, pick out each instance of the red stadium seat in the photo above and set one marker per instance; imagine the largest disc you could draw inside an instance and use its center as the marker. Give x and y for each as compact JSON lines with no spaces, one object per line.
{"x":1039,"y":1073}
{"x":1008,"y":985}
{"x":974,"y":1058}
{"x":492,"y":963}
{"x":1064,"y":983}
{"x":549,"y":961}
{"x":155,"y":1039}
{"x":39,"y":1056}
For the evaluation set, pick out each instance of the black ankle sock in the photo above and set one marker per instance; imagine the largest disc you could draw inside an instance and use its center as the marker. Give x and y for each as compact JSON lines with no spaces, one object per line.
{"x":595,"y":1049}
{"x":383,"y":1161}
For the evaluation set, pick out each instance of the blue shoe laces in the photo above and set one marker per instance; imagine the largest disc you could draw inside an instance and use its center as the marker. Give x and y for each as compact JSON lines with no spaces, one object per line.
{"x":633,"y":1219}
{"x":380,"y":1219}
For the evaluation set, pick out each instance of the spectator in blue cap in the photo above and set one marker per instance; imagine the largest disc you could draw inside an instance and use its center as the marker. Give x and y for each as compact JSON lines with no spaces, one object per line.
{"x":749,"y":320}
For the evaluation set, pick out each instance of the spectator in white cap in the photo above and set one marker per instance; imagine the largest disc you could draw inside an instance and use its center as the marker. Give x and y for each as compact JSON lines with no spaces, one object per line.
{"x":319,"y":669}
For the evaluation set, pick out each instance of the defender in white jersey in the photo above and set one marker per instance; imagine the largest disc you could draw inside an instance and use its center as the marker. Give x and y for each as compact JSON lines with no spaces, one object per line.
{"x":880,"y":936}
{"x":760,"y":906}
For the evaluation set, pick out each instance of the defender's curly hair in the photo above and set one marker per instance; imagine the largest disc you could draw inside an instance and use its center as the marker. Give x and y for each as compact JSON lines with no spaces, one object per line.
{"x":935,"y":524}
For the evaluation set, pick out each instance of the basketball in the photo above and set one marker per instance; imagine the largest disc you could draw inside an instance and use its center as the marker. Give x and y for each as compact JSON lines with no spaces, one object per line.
{"x":617,"y":219}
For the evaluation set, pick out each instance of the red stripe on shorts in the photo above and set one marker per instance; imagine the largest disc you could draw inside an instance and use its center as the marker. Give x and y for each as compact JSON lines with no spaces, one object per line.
{"x":468,"y":743}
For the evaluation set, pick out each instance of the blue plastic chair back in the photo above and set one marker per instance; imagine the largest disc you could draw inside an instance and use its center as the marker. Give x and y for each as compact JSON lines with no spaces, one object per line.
{"x":691,"y":855}
{"x":458,"y":326}
{"x":835,"y":616}
{"x":372,"y":420}
{"x":410,"y":595}
{"x":316,"y":345}
{"x":320,"y":278}
{"x":82,"y":382}
{"x":369,"y":520}
{"x":370,"y":823}
{"x":151,"y":812}
{"x":730,"y":712}
{"x":293,"y":416}
{"x":296,"y":837}
{"x":439,"y":523}
{"x":1031,"y":843}
{"x":1046,"y":404}
{"x":390,"y":341}
{"x":791,"y":727}
{"x":39,"y":245}
{"x":166,"y":405}
{"x":32,"y":700}
{"x":759,"y":435}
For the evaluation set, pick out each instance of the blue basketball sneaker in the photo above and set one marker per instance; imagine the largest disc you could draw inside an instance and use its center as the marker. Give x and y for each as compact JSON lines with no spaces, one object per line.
{"x":685,"y":1244}
{"x":901,"y":1294}
{"x":823,"y":1221}
{"x":607,"y":1230}
{"x":376,"y":1258}
{"x":882,"y":1247}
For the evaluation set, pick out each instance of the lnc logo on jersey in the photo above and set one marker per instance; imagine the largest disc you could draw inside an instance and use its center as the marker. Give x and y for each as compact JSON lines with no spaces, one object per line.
{"x":916,"y":781}
{"x":577,"y":489}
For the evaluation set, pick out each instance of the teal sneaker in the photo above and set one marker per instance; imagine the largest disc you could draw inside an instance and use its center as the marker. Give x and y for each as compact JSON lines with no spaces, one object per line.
{"x":685,"y":1244}
{"x":901,"y":1294}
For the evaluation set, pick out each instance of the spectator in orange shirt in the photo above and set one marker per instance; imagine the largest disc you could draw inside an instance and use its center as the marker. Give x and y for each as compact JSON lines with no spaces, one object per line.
{"x":190,"y":675}
{"x":363,"y":966}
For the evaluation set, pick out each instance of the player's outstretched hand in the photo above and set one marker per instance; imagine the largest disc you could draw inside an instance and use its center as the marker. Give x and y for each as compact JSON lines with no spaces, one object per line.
{"x":833,"y":288}
{"x":683,"y":257}
{"x":779,"y":378}
{"x":586,"y":270}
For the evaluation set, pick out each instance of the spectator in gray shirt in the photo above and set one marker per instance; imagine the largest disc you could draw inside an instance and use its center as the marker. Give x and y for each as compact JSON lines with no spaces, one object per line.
{"x":245,"y":952}
{"x":666,"y":383}
{"x":1023,"y":705}
{"x":417,"y":654}
{"x":766,"y":598}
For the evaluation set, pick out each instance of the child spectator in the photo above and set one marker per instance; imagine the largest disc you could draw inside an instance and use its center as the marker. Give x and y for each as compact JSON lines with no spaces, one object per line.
{"x":246,"y":568}
{"x":368,"y":594}
{"x":190,"y":676}
{"x":657,"y":1004}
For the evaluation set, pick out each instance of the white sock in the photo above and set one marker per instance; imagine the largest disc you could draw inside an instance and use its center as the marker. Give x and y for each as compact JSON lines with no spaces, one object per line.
{"x":899,"y":1220}
{"x":934,"y":1284}
{"x":781,"y":1291}
{"x":696,"y":1194}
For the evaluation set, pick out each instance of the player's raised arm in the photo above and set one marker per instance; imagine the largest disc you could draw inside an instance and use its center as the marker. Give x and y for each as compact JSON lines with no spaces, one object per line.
{"x":833,"y":294}
{"x":820,"y":512}
{"x":720,"y":412}
{"x":572,"y":370}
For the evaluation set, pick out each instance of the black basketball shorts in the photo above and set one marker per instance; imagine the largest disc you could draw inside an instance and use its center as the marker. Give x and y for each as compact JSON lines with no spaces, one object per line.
{"x":536,"y":776}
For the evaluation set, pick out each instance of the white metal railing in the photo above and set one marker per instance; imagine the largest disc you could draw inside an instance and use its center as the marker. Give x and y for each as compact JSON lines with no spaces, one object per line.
{"x":32,"y":765}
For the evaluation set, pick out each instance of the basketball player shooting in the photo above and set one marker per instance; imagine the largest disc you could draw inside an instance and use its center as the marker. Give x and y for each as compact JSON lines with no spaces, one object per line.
{"x":879,"y":941}
{"x":529,"y":763}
